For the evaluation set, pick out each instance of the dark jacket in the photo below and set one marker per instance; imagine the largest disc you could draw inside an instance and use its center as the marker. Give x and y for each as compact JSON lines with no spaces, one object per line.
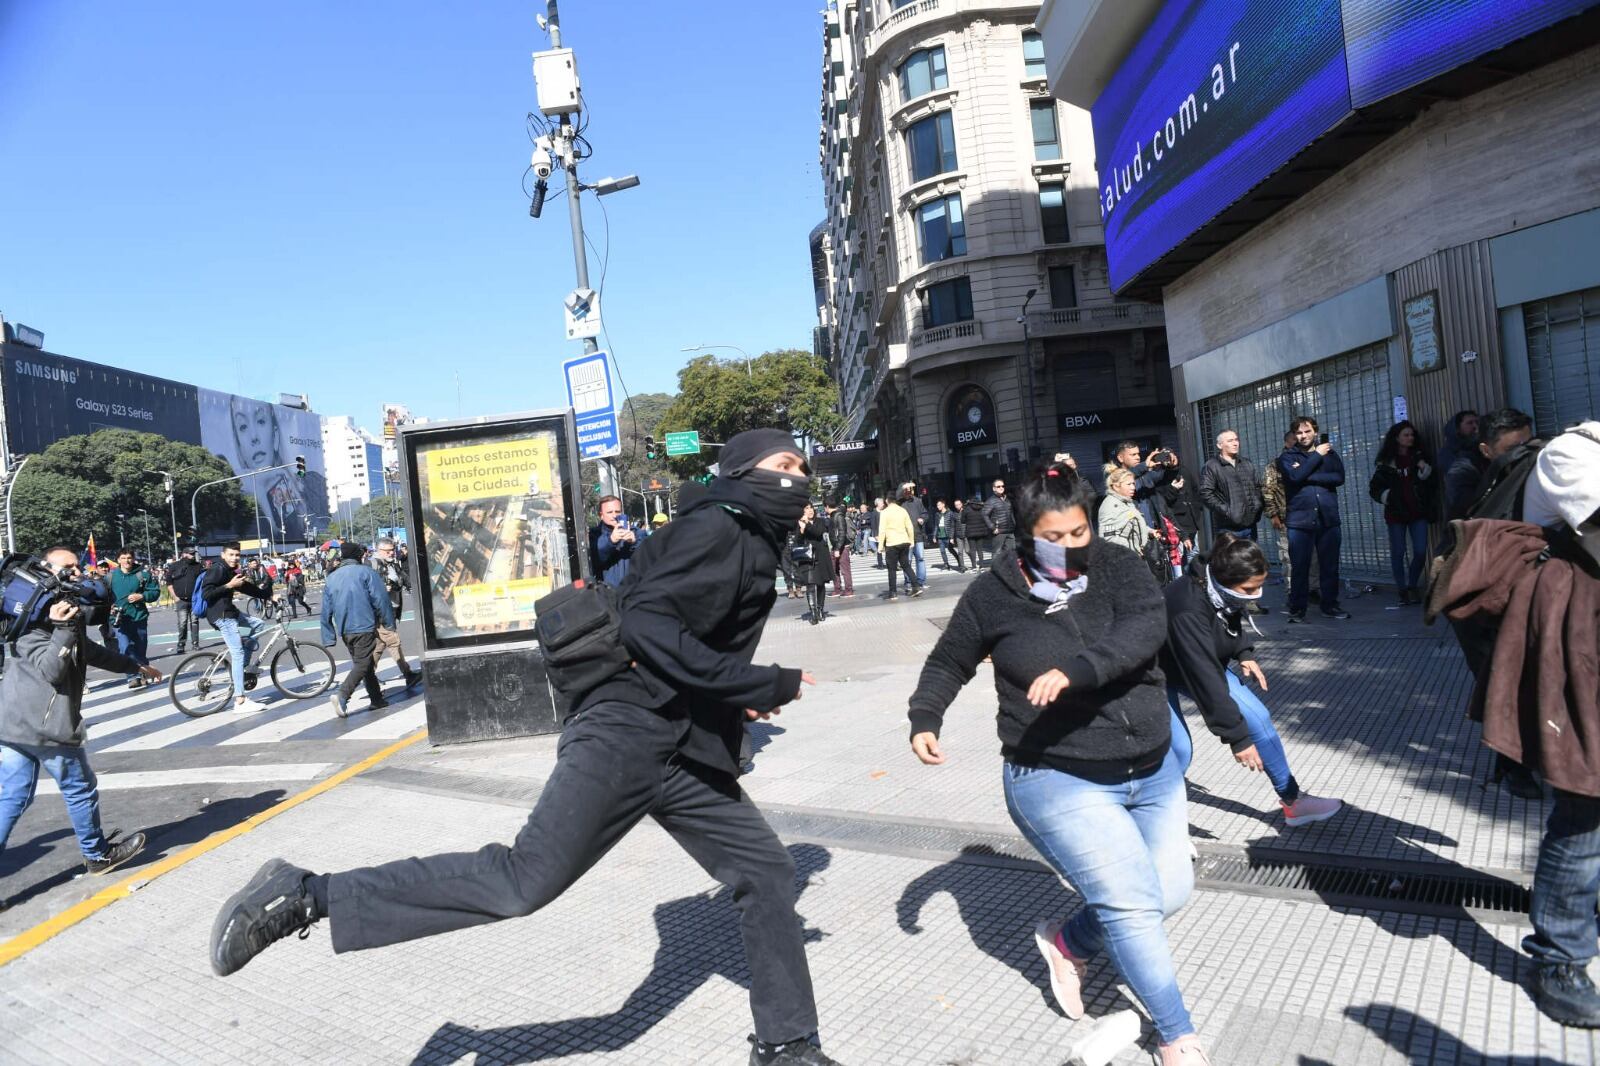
{"x":219,"y":598}
{"x":1309,"y":481}
{"x":919,"y":516}
{"x":1461,"y":479}
{"x":692,"y":611}
{"x":1231,"y":492}
{"x":1201,"y":642}
{"x":355,"y":600}
{"x":841,"y":529}
{"x":1389,"y":486}
{"x":1181,"y":506}
{"x":1112,"y":720}
{"x":944,"y":524}
{"x":41,"y":694}
{"x":972,"y":519}
{"x":181,"y":575}
{"x":1147,"y":481}
{"x":611,"y":561}
{"x":819,"y":571}
{"x":997,"y":516}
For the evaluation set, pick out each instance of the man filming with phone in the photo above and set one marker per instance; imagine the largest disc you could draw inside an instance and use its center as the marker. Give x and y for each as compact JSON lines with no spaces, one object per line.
{"x":41,"y":720}
{"x":612,"y":543}
{"x":1312,"y":473}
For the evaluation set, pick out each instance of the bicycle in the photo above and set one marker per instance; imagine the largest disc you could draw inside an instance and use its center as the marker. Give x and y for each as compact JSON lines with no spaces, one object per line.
{"x":203,"y":683}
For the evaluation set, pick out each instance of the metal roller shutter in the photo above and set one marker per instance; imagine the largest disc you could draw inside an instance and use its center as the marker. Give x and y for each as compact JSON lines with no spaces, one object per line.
{"x":1349,"y":397}
{"x":1563,"y":359}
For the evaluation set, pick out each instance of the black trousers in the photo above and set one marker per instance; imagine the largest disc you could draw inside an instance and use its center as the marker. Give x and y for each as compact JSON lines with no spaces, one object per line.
{"x":615,"y":764}
{"x":187,"y":622}
{"x":898,"y":557}
{"x":363,"y":666}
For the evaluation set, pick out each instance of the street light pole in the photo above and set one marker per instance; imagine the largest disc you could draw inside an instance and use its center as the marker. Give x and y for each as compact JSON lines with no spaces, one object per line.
{"x":148,"y":558}
{"x":703,"y":347}
{"x":194,"y":519}
{"x":1027,"y":357}
{"x":11,"y":483}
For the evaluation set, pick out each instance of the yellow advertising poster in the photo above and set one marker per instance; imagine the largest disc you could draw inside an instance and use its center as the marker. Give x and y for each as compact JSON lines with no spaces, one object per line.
{"x":498,"y":603}
{"x":478,"y":471}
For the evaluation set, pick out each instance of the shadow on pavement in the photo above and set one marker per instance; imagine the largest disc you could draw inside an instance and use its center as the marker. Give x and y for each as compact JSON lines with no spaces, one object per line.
{"x":698,"y":940}
{"x":1424,"y":1043}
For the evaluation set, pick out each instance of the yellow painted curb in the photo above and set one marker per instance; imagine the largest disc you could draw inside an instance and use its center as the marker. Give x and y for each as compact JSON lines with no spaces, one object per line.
{"x":25,"y":942}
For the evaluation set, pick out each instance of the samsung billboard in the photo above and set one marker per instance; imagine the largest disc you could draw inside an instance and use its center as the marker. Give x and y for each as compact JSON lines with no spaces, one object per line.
{"x":1217,"y":95}
{"x":48,"y":397}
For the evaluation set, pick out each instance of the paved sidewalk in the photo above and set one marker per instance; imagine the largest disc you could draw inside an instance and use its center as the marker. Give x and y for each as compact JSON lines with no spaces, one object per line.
{"x":919,"y":892}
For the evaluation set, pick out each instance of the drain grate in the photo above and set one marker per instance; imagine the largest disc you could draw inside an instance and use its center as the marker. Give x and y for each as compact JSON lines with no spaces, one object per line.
{"x":1399,"y":886}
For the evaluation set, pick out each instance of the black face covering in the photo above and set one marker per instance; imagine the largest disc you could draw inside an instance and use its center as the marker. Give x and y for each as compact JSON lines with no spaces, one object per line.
{"x":780,"y":499}
{"x":1078,"y":559}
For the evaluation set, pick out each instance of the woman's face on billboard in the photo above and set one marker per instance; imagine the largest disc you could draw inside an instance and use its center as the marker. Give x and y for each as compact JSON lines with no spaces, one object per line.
{"x":252,"y":433}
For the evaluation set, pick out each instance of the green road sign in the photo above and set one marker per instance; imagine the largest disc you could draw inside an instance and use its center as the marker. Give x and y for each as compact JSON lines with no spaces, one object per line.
{"x":686,"y":443}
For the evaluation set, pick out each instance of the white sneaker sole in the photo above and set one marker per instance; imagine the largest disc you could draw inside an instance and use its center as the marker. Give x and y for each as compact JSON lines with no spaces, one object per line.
{"x":1311,"y":819}
{"x":1069,"y":999}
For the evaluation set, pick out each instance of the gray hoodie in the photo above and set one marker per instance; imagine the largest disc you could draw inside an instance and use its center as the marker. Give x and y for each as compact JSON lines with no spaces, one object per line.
{"x":41,"y":694}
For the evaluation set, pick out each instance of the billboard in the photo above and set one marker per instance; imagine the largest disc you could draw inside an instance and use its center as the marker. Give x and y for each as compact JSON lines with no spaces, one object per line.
{"x":395,"y":415}
{"x":48,"y":397}
{"x":252,"y":434}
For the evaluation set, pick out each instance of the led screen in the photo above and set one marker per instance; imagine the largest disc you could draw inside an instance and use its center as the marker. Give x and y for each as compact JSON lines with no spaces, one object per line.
{"x":1216,"y":95}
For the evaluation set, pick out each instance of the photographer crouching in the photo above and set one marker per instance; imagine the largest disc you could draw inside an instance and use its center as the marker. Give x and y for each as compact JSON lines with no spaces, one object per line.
{"x":41,"y":697}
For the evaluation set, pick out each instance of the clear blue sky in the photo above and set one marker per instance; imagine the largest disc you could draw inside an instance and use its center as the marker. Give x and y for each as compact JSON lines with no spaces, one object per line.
{"x":325,"y":197}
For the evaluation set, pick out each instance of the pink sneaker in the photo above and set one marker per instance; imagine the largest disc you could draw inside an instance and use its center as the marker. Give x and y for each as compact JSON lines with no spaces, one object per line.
{"x":1308,"y":808}
{"x":1184,"y":1051}
{"x":1066,"y":972}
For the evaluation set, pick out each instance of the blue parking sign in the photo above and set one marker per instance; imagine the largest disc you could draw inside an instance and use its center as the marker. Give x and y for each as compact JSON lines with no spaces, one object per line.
{"x":594,"y":408}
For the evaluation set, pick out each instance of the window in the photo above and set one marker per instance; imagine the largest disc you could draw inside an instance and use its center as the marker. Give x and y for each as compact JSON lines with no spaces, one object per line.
{"x":1063,"y":289}
{"x":947,"y":302}
{"x":923,"y":72}
{"x":941,"y":230}
{"x":1046,"y":137}
{"x":932,"y":143}
{"x":1032,"y":54}
{"x":1053,"y":212}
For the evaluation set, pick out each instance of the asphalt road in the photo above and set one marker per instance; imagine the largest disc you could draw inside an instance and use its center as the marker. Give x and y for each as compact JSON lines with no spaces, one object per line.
{"x":180,"y":779}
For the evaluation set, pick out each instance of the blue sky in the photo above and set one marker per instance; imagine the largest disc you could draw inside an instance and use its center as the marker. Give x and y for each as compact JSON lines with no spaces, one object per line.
{"x":325,"y":197}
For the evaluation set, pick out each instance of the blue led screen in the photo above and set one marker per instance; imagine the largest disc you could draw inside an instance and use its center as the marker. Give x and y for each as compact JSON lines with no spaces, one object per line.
{"x":1216,"y":95}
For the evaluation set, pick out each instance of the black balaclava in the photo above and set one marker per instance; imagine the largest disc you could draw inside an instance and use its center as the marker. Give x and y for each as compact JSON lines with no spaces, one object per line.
{"x":779,"y":499}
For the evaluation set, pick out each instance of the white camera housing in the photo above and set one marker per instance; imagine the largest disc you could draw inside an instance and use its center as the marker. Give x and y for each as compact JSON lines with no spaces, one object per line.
{"x":555,"y":77}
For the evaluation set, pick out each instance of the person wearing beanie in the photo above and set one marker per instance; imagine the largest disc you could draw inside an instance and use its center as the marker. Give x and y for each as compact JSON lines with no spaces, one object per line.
{"x":355,"y":606}
{"x":659,"y":738}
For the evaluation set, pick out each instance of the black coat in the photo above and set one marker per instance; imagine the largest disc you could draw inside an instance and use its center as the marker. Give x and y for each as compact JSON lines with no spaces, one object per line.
{"x":181,"y":576}
{"x":692,"y":609}
{"x":1112,"y":720}
{"x":1181,"y":506}
{"x":819,"y":571}
{"x":1232,"y":492}
{"x":972,"y":520}
{"x":1200,"y":645}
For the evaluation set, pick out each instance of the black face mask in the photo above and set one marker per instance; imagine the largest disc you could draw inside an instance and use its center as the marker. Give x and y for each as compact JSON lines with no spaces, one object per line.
{"x":780,"y":498}
{"x":1078,"y":559}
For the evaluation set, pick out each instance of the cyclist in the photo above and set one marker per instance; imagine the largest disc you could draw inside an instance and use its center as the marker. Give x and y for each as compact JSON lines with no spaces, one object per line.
{"x":238,"y":630}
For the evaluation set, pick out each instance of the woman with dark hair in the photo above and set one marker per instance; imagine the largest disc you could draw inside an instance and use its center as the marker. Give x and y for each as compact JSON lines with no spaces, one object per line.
{"x":813,"y":562}
{"x":1074,"y":625}
{"x":1403,"y":482}
{"x":1206,"y":620}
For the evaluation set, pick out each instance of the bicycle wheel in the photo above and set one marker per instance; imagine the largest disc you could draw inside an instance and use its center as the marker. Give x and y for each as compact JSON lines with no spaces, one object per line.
{"x":302,"y":671}
{"x":202,"y":684}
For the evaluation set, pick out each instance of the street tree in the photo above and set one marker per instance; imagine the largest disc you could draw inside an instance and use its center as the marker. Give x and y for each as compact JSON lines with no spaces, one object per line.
{"x":380,"y":512}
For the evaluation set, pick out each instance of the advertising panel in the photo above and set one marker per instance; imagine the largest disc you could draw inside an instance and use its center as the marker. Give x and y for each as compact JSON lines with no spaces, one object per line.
{"x":253,"y":434}
{"x":1216,"y":95}
{"x":48,"y":397}
{"x":395,"y":415}
{"x":497,"y":529}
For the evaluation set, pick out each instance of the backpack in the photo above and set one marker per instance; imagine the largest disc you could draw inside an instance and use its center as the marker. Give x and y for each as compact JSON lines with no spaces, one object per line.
{"x":197,"y":598}
{"x":1501,"y":488}
{"x":580,"y":637}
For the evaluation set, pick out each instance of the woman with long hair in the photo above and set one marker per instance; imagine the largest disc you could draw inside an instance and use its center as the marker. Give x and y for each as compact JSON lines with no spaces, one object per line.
{"x":1074,"y":626}
{"x":813,"y":562}
{"x":1403,"y":481}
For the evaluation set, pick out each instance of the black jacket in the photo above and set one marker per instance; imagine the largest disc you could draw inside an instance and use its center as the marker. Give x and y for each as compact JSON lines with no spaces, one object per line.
{"x":997,"y":513}
{"x":1201,"y":642}
{"x":1232,"y":492}
{"x":219,"y":598}
{"x":1112,"y":720}
{"x":972,"y":520}
{"x":1180,"y":506}
{"x":692,"y":609}
{"x":181,"y":576}
{"x":819,"y":571}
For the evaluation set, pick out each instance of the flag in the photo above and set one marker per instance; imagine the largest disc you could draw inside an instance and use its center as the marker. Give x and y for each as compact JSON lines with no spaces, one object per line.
{"x":92,"y":560}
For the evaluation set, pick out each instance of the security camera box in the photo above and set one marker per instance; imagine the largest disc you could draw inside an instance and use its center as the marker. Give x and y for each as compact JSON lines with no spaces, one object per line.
{"x":555,"y":77}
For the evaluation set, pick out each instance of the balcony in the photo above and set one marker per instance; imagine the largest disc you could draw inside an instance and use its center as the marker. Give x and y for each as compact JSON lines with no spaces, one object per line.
{"x":938,"y":338}
{"x":1095,"y":319}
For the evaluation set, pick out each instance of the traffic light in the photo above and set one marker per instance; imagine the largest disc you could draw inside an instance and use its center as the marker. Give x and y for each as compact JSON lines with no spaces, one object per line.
{"x":299,"y":466}
{"x":650,"y":447}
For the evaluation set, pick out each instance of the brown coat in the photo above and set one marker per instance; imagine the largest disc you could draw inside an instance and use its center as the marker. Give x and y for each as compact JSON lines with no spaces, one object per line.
{"x":1540,"y":698}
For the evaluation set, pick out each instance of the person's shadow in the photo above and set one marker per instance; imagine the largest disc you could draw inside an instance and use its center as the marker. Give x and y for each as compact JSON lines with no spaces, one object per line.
{"x":699,"y":940}
{"x":1424,"y":1043}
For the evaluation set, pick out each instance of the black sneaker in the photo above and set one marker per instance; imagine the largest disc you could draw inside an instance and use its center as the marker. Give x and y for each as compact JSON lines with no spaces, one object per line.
{"x":1297,"y":616}
{"x":891,"y":597}
{"x":794,"y":1053}
{"x":271,"y":906}
{"x":919,"y":590}
{"x":1563,"y":992}
{"x":377,"y":705}
{"x":116,"y":854}
{"x":1336,"y":612}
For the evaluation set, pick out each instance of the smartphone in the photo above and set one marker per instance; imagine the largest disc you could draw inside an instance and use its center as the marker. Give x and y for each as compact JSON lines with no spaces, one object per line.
{"x":1324,"y":438}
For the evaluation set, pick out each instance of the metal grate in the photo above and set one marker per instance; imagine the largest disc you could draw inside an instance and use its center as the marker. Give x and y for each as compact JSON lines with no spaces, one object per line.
{"x":1349,"y":397}
{"x":1408,"y":887}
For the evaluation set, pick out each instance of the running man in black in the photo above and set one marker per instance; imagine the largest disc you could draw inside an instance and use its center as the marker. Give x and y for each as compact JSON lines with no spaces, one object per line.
{"x":661,"y":739}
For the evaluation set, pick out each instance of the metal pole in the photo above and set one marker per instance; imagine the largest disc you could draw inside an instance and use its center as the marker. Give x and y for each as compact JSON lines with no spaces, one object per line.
{"x":194,"y":497}
{"x":11,"y":533}
{"x":172,"y":507}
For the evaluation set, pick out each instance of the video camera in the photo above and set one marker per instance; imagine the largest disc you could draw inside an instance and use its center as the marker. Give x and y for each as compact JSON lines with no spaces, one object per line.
{"x":28,"y":586}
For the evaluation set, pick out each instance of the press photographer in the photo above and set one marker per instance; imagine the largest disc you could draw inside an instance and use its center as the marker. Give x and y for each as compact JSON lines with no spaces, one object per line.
{"x":44,"y":612}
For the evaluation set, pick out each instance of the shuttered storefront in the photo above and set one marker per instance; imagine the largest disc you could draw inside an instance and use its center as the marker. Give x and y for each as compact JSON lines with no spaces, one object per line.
{"x":1350,"y":398}
{"x":1563,"y":359}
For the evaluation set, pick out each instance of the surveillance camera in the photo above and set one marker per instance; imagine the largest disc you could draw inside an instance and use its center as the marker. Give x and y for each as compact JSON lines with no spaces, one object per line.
{"x":542,"y":21}
{"x":542,"y":167}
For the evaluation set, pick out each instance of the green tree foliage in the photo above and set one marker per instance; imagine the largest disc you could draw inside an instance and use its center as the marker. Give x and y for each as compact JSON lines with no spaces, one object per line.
{"x":380,"y":512}
{"x":787,"y":389}
{"x":637,"y":420}
{"x":79,"y":485}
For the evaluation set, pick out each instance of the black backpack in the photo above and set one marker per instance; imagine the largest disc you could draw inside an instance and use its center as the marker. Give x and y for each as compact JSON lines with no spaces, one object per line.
{"x":1501,"y":487}
{"x":580,"y":637}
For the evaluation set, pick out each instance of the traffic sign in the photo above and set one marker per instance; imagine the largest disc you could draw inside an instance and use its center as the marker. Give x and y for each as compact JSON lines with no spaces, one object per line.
{"x":655,"y":485}
{"x":593,"y":407}
{"x":582,"y":310}
{"x":685,"y":443}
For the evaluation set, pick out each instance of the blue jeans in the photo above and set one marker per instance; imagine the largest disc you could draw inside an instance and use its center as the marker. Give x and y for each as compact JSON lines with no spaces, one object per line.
{"x":133,"y":639}
{"x":1262,"y":734}
{"x":1124,"y":847}
{"x":1248,"y":533}
{"x":239,"y":634}
{"x":922,"y":564}
{"x":1417,"y":533}
{"x":1324,"y":541}
{"x":1565,"y":883}
{"x":69,"y":765}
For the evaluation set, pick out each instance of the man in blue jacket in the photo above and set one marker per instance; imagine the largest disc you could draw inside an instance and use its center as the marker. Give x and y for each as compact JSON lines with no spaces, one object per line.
{"x":1312,"y":471}
{"x":354,"y":602}
{"x":612,"y":543}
